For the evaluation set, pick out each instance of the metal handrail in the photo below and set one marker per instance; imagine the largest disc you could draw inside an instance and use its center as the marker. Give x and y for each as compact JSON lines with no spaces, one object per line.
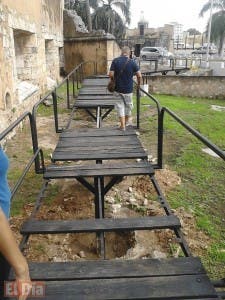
{"x":161,"y":111}
{"x":138,"y":103}
{"x":35,"y":152}
{"x":193,"y":131}
{"x":10,"y":128}
{"x":25,"y":171}
{"x":78,"y":71}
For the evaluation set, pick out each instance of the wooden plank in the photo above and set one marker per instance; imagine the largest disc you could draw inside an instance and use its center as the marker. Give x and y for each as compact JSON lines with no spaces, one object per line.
{"x":96,"y":101}
{"x":118,"y":268}
{"x":99,"y":146}
{"x":80,"y":147}
{"x":98,"y":170}
{"x":161,"y":288}
{"x":93,"y":132}
{"x":95,"y":82}
{"x":75,"y":146}
{"x":94,"y":92}
{"x":100,"y":130}
{"x":96,"y":97}
{"x":76,"y":172}
{"x":65,"y":156}
{"x":87,"y":142}
{"x":33,"y":226}
{"x":89,"y":151}
{"x":104,"y":138}
{"x":92,"y":89}
{"x":88,"y":104}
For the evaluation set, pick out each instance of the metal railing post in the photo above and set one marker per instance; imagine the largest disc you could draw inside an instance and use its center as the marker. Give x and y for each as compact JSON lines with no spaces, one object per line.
{"x":35,"y":143}
{"x":55,"y":109}
{"x":68,"y":92}
{"x":73,"y":87}
{"x":160,"y":139}
{"x":138,"y":100}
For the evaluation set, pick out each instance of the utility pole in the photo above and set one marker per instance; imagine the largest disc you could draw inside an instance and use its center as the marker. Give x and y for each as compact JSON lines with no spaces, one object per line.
{"x":209,"y":34}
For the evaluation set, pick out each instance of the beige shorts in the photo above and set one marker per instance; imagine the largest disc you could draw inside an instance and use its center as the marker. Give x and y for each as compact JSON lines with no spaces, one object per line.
{"x":124,"y":105}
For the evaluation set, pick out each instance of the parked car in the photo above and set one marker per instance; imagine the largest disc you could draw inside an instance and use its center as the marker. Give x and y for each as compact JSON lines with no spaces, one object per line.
{"x":203,"y":50}
{"x":154,"y":53}
{"x":151,"y":53}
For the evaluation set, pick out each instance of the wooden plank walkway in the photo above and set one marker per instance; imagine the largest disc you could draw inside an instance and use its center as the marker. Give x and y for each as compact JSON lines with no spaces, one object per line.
{"x":101,"y":225}
{"x":107,"y":151}
{"x":98,"y":144}
{"x":95,"y":170}
{"x":94,"y":95}
{"x":182,"y":278}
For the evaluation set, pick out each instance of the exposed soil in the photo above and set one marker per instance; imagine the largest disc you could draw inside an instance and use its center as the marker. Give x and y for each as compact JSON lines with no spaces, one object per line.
{"x":131,"y":197}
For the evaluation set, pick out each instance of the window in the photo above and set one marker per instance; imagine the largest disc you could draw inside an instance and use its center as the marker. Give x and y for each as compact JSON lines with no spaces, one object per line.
{"x":25,"y":54}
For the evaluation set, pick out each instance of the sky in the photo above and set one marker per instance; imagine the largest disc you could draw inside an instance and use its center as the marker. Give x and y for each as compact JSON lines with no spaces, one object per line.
{"x":160,"y":12}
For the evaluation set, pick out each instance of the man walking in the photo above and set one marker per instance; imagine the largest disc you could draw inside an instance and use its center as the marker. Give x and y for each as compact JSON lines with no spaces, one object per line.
{"x":122,"y":71}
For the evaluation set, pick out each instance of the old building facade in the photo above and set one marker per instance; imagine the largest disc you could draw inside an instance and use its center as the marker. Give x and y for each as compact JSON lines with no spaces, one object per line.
{"x":143,"y":36}
{"x":31,"y":38}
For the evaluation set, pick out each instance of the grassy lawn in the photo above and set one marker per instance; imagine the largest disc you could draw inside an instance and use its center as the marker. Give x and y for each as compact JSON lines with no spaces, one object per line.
{"x":202,"y":191}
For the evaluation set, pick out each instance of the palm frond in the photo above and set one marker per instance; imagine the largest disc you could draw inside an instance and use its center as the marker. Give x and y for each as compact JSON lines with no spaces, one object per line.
{"x":217,"y":4}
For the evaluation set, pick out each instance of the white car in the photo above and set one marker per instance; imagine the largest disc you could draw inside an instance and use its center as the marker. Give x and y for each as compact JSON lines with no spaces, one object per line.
{"x":155,"y":53}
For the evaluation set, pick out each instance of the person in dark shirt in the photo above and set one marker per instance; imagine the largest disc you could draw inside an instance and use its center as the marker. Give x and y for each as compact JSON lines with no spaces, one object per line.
{"x":122,"y":71}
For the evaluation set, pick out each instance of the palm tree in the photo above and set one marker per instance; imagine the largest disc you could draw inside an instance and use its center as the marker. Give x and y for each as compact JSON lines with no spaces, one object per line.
{"x":218,"y":30}
{"x":109,"y":16}
{"x":218,"y":22}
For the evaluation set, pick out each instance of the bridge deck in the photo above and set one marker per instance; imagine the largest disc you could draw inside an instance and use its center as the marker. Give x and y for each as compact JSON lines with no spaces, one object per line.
{"x":98,"y":144}
{"x":180,"y":278}
{"x":171,"y":278}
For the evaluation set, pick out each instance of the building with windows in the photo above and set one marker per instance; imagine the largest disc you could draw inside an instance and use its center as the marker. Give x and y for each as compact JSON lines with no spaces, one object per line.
{"x":143,"y":36}
{"x":177,"y":34}
{"x":31,"y":38}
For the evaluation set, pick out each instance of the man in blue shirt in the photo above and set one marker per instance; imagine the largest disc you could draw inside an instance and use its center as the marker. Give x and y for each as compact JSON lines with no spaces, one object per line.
{"x":122,"y":71}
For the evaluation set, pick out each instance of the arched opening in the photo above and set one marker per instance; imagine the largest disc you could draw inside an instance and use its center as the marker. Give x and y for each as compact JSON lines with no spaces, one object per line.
{"x":8,"y":103}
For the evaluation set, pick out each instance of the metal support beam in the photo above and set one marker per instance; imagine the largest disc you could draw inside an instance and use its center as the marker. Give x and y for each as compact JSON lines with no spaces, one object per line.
{"x":86,"y":184}
{"x":115,"y":180}
{"x":106,"y":113}
{"x":91,"y":114}
{"x":181,"y":240}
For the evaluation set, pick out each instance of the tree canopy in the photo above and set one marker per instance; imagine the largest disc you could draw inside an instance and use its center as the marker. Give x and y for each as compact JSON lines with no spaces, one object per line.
{"x":218,"y":22}
{"x":109,"y":15}
{"x":193,"y":31}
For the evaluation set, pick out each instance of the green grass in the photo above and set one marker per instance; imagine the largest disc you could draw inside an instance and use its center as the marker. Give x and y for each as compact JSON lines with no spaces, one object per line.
{"x":61,"y":92}
{"x":29,"y":190}
{"x":202,"y":190}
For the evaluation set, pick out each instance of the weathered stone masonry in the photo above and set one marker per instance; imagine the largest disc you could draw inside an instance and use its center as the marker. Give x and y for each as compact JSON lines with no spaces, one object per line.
{"x":31,"y":37}
{"x":190,"y":86}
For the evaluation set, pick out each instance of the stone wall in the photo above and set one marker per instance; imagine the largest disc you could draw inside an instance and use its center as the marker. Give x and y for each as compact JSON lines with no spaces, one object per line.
{"x":190,"y":86}
{"x":30,"y":38}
